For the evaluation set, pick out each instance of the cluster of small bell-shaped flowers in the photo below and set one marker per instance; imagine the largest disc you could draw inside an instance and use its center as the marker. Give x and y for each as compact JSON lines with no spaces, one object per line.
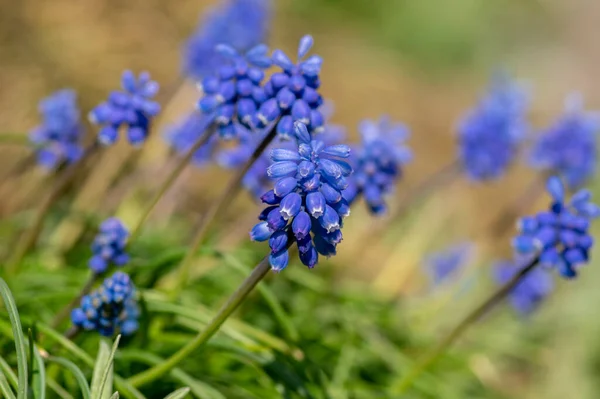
{"x":292,"y":95}
{"x":568,"y":147}
{"x":306,"y":204}
{"x":131,"y":108}
{"x":490,"y":134}
{"x":530,"y":291}
{"x":183,"y":135}
{"x":560,"y":236}
{"x":444,"y":265}
{"x":233,"y":94}
{"x":242,"y":24}
{"x":58,"y":138}
{"x":378,"y":162}
{"x":110,"y":309}
{"x":109,"y":246}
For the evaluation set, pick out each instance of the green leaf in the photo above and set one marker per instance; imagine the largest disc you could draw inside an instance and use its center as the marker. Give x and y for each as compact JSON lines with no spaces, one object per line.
{"x":5,"y":368}
{"x":15,"y":322}
{"x":115,"y":395}
{"x":39,"y":375}
{"x":5,"y":388}
{"x":60,"y":391}
{"x":178,"y":394}
{"x":79,"y":376}
{"x":102,"y":378}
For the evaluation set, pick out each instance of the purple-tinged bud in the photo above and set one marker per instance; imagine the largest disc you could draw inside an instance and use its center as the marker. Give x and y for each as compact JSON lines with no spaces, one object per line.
{"x":301,"y":225}
{"x":256,"y":75}
{"x":334,"y":238}
{"x":281,"y":169}
{"x":97,"y":264}
{"x":285,"y":98}
{"x":227,"y":91}
{"x":265,"y":212}
{"x":315,"y":204}
{"x":527,"y":225}
{"x":259,"y":95}
{"x":311,"y":96}
{"x":209,"y":103}
{"x":275,"y":221}
{"x":330,"y":168}
{"x":279,"y":80}
{"x":107,"y":135}
{"x":323,"y":247}
{"x":338,"y":150}
{"x":575,"y":256}
{"x":309,"y":257}
{"x":290,"y":205}
{"x":269,"y":111}
{"x":279,"y":261}
{"x":585,"y":242}
{"x":282,"y":154}
{"x":549,"y":257}
{"x":244,"y":88}
{"x":306,"y":169}
{"x":331,"y":194}
{"x":301,"y":133}
{"x":278,"y":241}
{"x":225,"y":114}
{"x":282,"y":60}
{"x":285,"y":127}
{"x":316,"y":121}
{"x":312,"y":183}
{"x":296,"y":84}
{"x":136,"y":136}
{"x":568,"y":238}
{"x":285,"y":186}
{"x":301,"y":111}
{"x":342,"y":208}
{"x":210,"y":85}
{"x":245,"y":109}
{"x":260,"y":232}
{"x":304,"y":244}
{"x":330,"y":220}
{"x":525,"y":244}
{"x":270,"y":198}
{"x":227,"y":132}
{"x":226,"y":72}
{"x":547,"y":236}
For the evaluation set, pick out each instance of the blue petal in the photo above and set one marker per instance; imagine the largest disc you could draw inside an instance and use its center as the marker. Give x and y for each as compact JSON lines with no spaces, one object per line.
{"x":281,"y":169}
{"x":260,"y":232}
{"x":270,"y":198}
{"x":302,"y":132}
{"x":338,"y":150}
{"x":306,"y":42}
{"x":107,"y":135}
{"x":285,"y":186}
{"x":524,"y":244}
{"x":301,"y":225}
{"x":275,"y":221}
{"x":290,"y":205}
{"x":315,"y":204}
{"x":310,"y":257}
{"x":226,"y":50}
{"x":555,"y":188}
{"x":282,"y":60}
{"x":278,"y":241}
{"x":330,"y":220}
{"x":331,"y":194}
{"x":279,"y":261}
{"x":282,"y":154}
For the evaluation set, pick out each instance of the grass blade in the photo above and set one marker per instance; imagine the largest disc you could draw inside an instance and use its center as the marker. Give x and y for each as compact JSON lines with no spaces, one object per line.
{"x":39,"y":375}
{"x":115,"y":395}
{"x":15,"y":322}
{"x":76,"y":371}
{"x":9,"y":373}
{"x":178,"y":394}
{"x":58,"y":390}
{"x":99,"y":368}
{"x":107,"y":375}
{"x":5,"y":388}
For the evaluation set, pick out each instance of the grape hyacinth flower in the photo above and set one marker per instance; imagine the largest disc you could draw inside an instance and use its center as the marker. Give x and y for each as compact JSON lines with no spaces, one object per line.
{"x":132,"y":108}
{"x":306,"y":204}
{"x":490,"y":134}
{"x":292,"y":95}
{"x":58,"y":137}
{"x":241,"y":24}
{"x":182,"y":136}
{"x":110,"y":309}
{"x":378,"y":162}
{"x":528,"y":294}
{"x":442,"y":265}
{"x":561,"y":234}
{"x":109,"y":246}
{"x":568,"y":147}
{"x":233,"y":94}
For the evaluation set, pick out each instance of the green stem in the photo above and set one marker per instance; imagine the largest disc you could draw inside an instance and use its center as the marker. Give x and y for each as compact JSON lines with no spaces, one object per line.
{"x":166,"y":185}
{"x":66,"y":311}
{"x":28,"y":239}
{"x":406,"y":382}
{"x":218,"y":207}
{"x":18,"y":168}
{"x":234,"y":301}
{"x":20,"y":139}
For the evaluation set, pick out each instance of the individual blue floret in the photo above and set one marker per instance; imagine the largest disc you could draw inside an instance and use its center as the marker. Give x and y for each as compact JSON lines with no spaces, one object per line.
{"x":233,"y":94}
{"x":568,"y":147}
{"x":292,"y":95}
{"x":443,"y":265}
{"x":131,"y":108}
{"x":109,"y":246}
{"x":110,"y":309}
{"x":378,"y":162}
{"x":306,"y":204}
{"x":561,"y":234}
{"x":530,"y":292}
{"x":241,"y":24}
{"x":58,"y":138}
{"x":182,"y":137}
{"x":490,"y":134}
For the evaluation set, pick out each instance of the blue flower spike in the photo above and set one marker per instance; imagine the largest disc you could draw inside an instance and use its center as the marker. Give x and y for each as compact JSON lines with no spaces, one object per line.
{"x":560,"y":235}
{"x":232,"y":95}
{"x":109,"y":246}
{"x":490,"y":134}
{"x":378,"y":162}
{"x":306,"y":204}
{"x":58,"y":138}
{"x":132,"y":109}
{"x":110,"y":309}
{"x":442,"y":266}
{"x":183,"y":135}
{"x":530,"y":292}
{"x":292,"y":95}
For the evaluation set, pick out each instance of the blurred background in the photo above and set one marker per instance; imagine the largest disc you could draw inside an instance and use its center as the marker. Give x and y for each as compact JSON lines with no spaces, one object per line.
{"x":422,"y":62}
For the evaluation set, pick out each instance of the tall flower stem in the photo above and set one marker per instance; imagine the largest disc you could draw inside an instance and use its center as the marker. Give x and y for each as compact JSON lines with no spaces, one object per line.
{"x":170,"y":180}
{"x":28,"y":239}
{"x":421,"y":366}
{"x":219,"y":206}
{"x":66,"y":311}
{"x":234,"y":301}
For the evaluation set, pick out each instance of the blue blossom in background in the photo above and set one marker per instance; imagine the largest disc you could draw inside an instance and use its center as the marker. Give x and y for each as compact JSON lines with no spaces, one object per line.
{"x":109,"y":246}
{"x":58,"y":137}
{"x":183,"y":135}
{"x":292,"y":95}
{"x":568,"y":147}
{"x":490,"y":134}
{"x":561,"y":234}
{"x":533,"y":288}
{"x":232,"y":96}
{"x":306,"y":204}
{"x":378,"y":161}
{"x":241,"y":24}
{"x":131,"y":108}
{"x":443,"y":265}
{"x":110,"y":309}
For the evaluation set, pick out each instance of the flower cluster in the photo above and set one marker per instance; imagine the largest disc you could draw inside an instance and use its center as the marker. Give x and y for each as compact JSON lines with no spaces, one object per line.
{"x":58,"y":137}
{"x":533,"y":288}
{"x":132,"y":108}
{"x":378,"y":161}
{"x":489,"y":135}
{"x":561,"y":234}
{"x":568,"y":148}
{"x":109,"y":309}
{"x":241,"y":24}
{"x":442,"y":265}
{"x":233,"y":94}
{"x":306,"y":203}
{"x":292,"y":95}
{"x":182,"y":137}
{"x":109,"y":246}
